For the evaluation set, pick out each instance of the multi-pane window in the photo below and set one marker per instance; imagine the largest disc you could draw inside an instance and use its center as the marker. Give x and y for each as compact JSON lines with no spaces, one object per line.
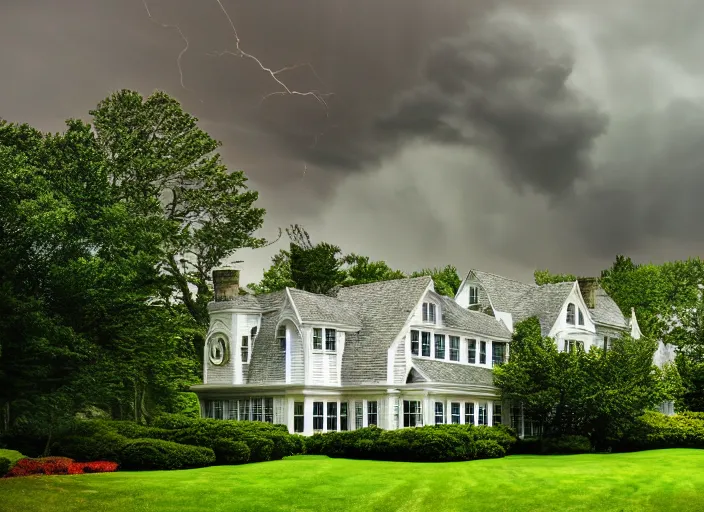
{"x":515,"y":413}
{"x":330,"y":337}
{"x":471,"y":351}
{"x":372,"y":413}
{"x":498,"y":353}
{"x":332,"y":416}
{"x":269,"y":410}
{"x":439,"y":346}
{"x":572,"y":345}
{"x":415,"y":341}
{"x":570,"y":314}
{"x":482,"y":352}
{"x":454,"y":348}
{"x":298,"y":416}
{"x":581,"y":318}
{"x":455,"y":413}
{"x":281,"y":336}
{"x":482,"y":415}
{"x":256,"y":409}
{"x":439,"y":413}
{"x":429,"y":312}
{"x":244,"y":349}
{"x":496,"y":416}
{"x":231,"y":410}
{"x":473,"y":295}
{"x":318,"y":416}
{"x":426,"y":344}
{"x":412,"y":413}
{"x":344,"y":425}
{"x":358,"y":415}
{"x":469,"y":413}
{"x":244,"y":410}
{"x":217,"y":409}
{"x":317,"y":338}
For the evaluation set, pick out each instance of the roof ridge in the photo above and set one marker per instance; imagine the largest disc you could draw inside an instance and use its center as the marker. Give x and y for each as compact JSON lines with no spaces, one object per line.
{"x":385,"y":281}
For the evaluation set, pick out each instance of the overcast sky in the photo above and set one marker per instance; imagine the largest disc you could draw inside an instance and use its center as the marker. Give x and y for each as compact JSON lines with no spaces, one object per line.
{"x":505,"y":136}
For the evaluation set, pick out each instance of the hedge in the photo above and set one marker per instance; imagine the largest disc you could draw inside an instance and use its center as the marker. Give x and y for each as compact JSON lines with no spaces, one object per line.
{"x":153,"y":454}
{"x":438,"y":443}
{"x":5,"y":465}
{"x":654,"y":430}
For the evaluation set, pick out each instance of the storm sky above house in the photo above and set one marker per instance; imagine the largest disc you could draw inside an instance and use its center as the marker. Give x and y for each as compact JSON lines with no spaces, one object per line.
{"x":506,"y":136}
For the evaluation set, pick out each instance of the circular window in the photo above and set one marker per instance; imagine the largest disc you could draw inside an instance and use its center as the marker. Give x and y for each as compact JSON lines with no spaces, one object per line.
{"x":218,"y":351}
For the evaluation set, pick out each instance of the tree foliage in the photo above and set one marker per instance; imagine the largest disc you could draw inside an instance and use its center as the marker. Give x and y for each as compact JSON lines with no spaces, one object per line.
{"x":447,"y":280}
{"x":596,"y":394}
{"x":546,"y":277}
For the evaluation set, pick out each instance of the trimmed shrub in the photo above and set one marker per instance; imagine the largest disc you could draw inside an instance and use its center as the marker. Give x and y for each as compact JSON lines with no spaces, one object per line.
{"x":100,"y":446}
{"x":5,"y":465}
{"x":153,"y":454}
{"x":489,"y":449}
{"x":231,"y":452}
{"x":527,"y":446}
{"x":565,"y":445}
{"x":58,"y":466}
{"x":435,"y":443}
{"x":655,"y":430}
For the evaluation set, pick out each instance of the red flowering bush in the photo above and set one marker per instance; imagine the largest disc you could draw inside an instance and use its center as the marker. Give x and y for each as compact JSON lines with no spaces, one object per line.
{"x":59,"y":466}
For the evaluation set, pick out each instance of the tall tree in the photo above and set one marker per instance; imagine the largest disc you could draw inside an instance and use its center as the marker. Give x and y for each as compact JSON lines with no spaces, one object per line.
{"x":447,"y":280}
{"x":164,"y":166}
{"x":546,"y":277}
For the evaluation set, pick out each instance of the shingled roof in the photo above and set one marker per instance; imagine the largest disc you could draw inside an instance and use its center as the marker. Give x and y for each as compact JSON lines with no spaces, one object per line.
{"x":313,"y":307}
{"x":384,"y":308}
{"x":545,"y":301}
{"x":455,"y":316}
{"x":453,"y":373}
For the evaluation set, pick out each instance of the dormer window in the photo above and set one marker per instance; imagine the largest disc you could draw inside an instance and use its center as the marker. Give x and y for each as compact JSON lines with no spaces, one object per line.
{"x":244,"y":349}
{"x":429,"y":312}
{"x":581,"y":317}
{"x":473,"y":295}
{"x":570,"y":314}
{"x":281,"y":336}
{"x":330,"y":339}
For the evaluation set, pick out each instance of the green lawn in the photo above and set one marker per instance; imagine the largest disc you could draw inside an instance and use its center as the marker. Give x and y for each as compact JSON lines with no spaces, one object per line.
{"x":652,"y":480}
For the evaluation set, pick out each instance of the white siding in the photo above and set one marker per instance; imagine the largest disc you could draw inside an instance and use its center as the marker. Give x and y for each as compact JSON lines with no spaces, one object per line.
{"x":297,"y":358}
{"x":400,"y":360}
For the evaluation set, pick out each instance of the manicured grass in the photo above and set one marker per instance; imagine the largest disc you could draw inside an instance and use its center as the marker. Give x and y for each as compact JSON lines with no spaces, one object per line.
{"x":652,"y":480}
{"x":13,"y":455}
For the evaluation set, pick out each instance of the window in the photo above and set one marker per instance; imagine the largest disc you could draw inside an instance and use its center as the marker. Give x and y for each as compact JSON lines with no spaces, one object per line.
{"x":244,"y":410}
{"x":298,"y":416}
{"x":439,"y":413}
{"x":256,"y":409}
{"x":482,"y":415}
{"x":429,"y":312}
{"x":217,"y":409}
{"x":469,"y":413}
{"x":244,"y":350}
{"x":371,"y":413}
{"x":473,"y":295}
{"x":515,"y":413}
{"x":358,"y":415}
{"x":496,"y":417}
{"x":269,"y":410}
{"x":231,"y":410}
{"x":439,"y":346}
{"x":218,"y":351}
{"x":426,"y":344}
{"x":281,"y":336}
{"x":498,"y":353}
{"x":330,"y":339}
{"x":569,"y":346}
{"x":343,"y":416}
{"x":454,"y":348}
{"x":570,"y":314}
{"x":318,"y":416}
{"x":253,"y":332}
{"x":414,"y":342}
{"x":472,"y":351}
{"x":607,"y":343}
{"x":482,"y":352}
{"x":581,"y":318}
{"x":412,"y":413}
{"x":332,"y":416}
{"x":317,"y":338}
{"x":455,"y":413}
{"x":580,"y":345}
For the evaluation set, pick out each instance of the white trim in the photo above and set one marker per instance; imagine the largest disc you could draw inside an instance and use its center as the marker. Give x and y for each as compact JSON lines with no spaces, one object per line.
{"x":293,"y":305}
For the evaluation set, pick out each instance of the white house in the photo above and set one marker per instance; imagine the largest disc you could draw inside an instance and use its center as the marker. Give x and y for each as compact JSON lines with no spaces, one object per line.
{"x":393,"y":353}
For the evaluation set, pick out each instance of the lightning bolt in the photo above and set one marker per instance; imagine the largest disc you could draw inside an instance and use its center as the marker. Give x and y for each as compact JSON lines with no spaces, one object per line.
{"x":321,"y":97}
{"x":180,"y":33}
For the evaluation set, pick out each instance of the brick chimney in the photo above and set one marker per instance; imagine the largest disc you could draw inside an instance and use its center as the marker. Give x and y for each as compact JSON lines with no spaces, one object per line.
{"x":226,"y":284}
{"x":588,"y":287}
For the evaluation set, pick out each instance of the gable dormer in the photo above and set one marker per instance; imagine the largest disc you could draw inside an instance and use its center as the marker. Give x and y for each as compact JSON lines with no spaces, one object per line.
{"x":429,"y":311}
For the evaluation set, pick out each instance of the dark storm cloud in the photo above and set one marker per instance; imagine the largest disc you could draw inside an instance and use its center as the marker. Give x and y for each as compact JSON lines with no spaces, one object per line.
{"x":496,"y":88}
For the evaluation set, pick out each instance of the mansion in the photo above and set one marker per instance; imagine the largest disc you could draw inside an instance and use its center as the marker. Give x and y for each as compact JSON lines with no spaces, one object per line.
{"x":393,"y":353}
